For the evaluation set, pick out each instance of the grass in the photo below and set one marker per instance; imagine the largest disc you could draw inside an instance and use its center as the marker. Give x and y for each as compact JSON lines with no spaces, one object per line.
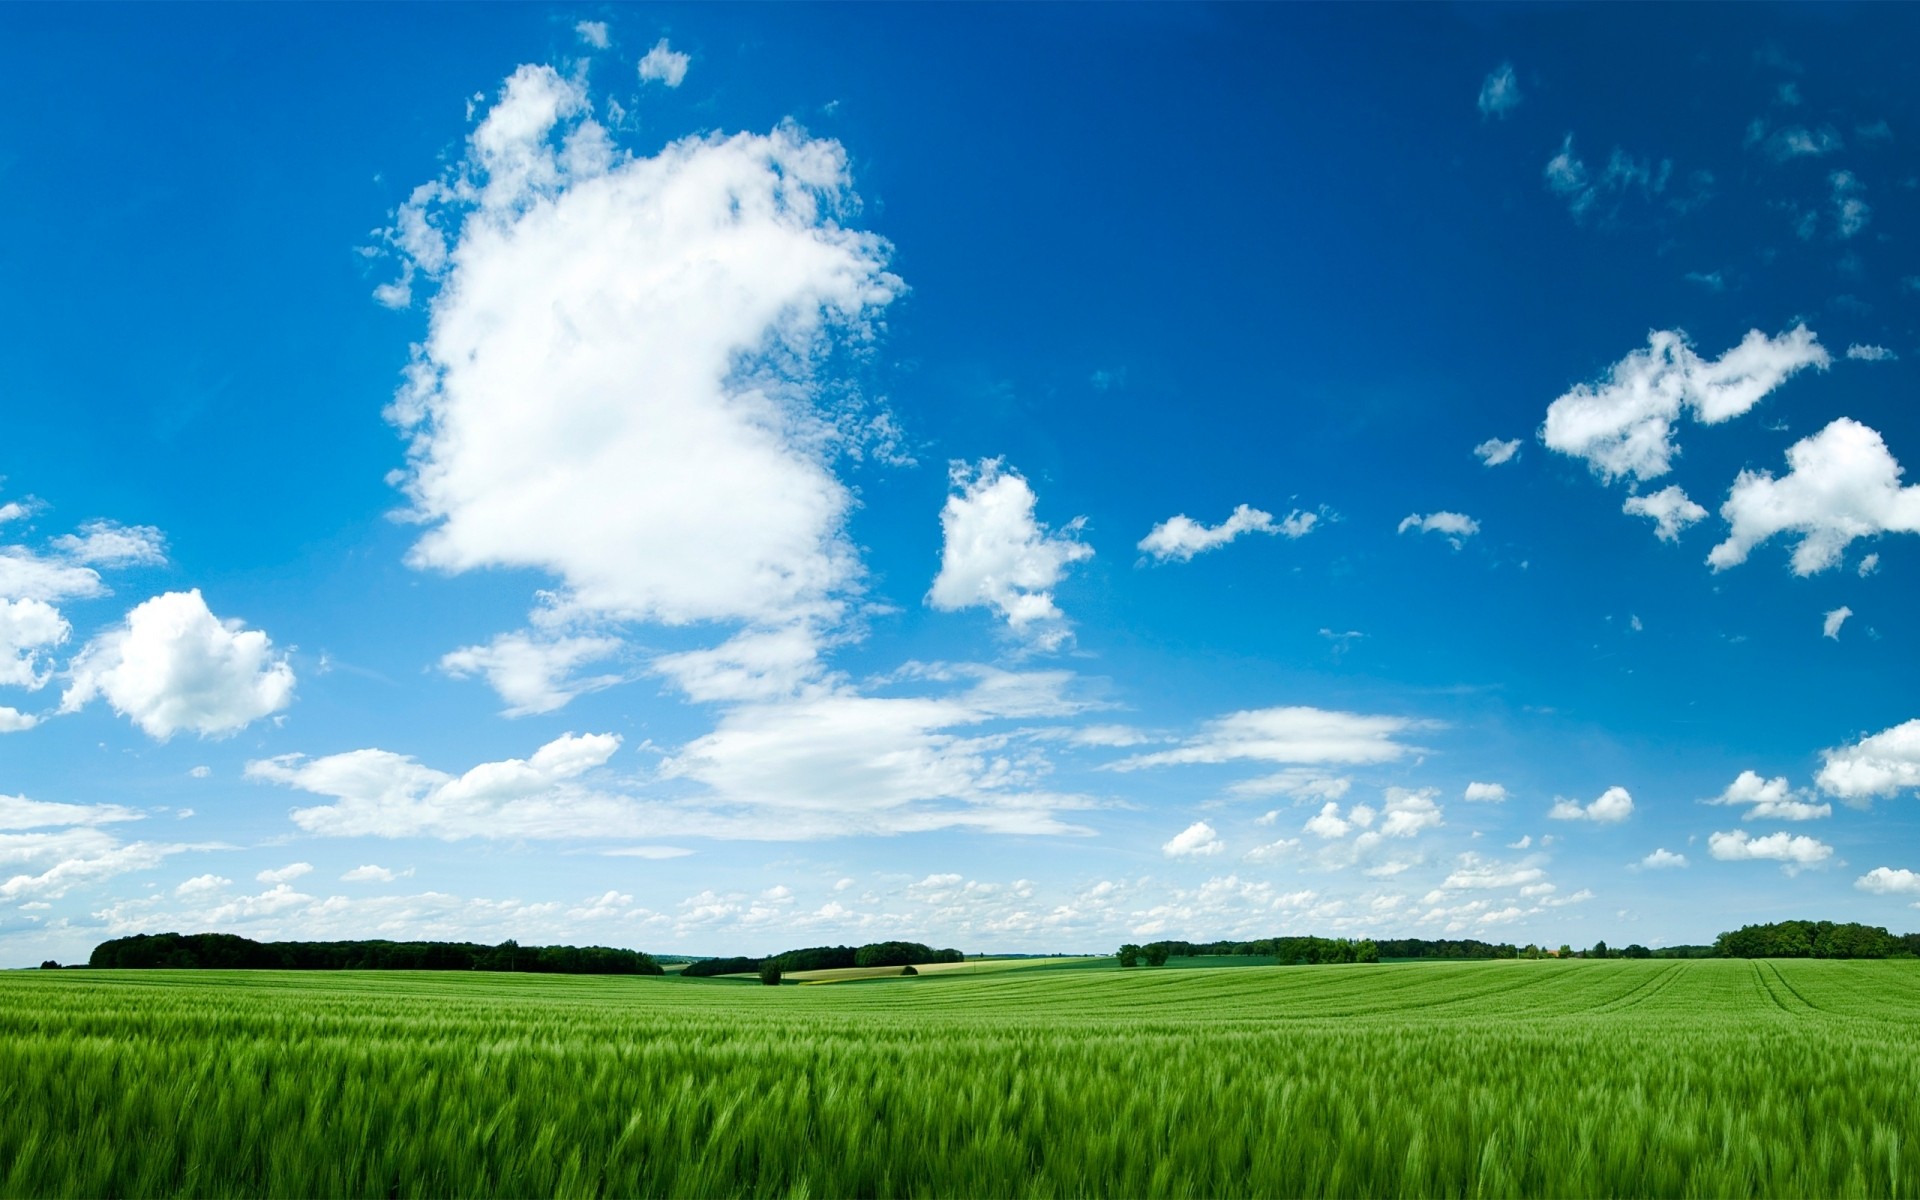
{"x":1662,"y":1078}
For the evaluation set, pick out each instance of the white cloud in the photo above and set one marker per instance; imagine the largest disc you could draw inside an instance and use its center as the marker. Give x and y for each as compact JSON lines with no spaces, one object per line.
{"x":1500,"y":92}
{"x":1481,"y":874}
{"x":1302,"y":783}
{"x":110,"y":544}
{"x":28,"y":629}
{"x":200,"y":772}
{"x":93,"y":866}
{"x":1670,"y":508}
{"x":1614,"y":805}
{"x":1287,"y":735}
{"x":1796,"y":851}
{"x":1793,"y":141}
{"x":1456,"y":526}
{"x":286,"y":874}
{"x":174,"y":666}
{"x":619,"y":381}
{"x":652,"y":853}
{"x":1328,"y":823}
{"x":1407,"y":812}
{"x":1870,"y":353}
{"x":1770,"y":799}
{"x":828,"y":763}
{"x":664,"y":65}
{"x":1198,"y":840}
{"x":18,"y":812}
{"x":1710,"y":280}
{"x":996,"y":555}
{"x":1493,"y":451}
{"x":1831,"y":623}
{"x":593,"y":33}
{"x":1868,"y":565}
{"x":1882,"y":764}
{"x":1567,"y":176}
{"x":201,"y":885}
{"x":1662,"y":860}
{"x":1850,"y":212}
{"x":371,"y":873}
{"x":1180,"y":537}
{"x":1888,"y":881}
{"x":1623,"y":425}
{"x":1842,"y":484}
{"x":25,"y":575}
{"x":12,"y":720}
{"x":1485,"y":793}
{"x":534,"y":674}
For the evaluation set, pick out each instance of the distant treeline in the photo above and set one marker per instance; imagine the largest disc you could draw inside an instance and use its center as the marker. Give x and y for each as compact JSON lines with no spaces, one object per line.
{"x":826,"y":958}
{"x":226,"y":951}
{"x":1815,"y":939}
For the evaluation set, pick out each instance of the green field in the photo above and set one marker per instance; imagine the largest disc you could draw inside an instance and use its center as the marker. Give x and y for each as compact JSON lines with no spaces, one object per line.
{"x":1607,"y":1078}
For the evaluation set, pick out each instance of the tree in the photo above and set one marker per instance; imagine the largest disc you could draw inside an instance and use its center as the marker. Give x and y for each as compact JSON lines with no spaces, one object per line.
{"x":770,"y":973}
{"x":1599,"y":950}
{"x":49,"y":965}
{"x":1129,"y":955}
{"x":1366,"y":952}
{"x":1566,"y":951}
{"x":1156,"y":954}
{"x":908,"y":970}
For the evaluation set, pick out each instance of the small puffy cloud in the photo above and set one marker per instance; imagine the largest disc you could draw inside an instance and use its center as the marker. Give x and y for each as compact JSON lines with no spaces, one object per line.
{"x":1328,"y":823}
{"x":533,"y":674}
{"x":1500,"y":92}
{"x":1407,"y":811}
{"x":286,"y":874}
{"x":1613,"y":806}
{"x":1842,"y":484}
{"x":1623,"y":424}
{"x":1661,"y":860}
{"x":1831,"y":623}
{"x":1180,"y":537}
{"x":996,"y":555}
{"x":1870,"y":353}
{"x":663,"y":64}
{"x":110,"y":544}
{"x":1888,"y":881}
{"x":1793,"y":141}
{"x":593,"y":33}
{"x":1850,"y":211}
{"x":201,"y":885}
{"x":1770,"y":799}
{"x":1713,"y":281}
{"x":1198,"y":840}
{"x":1868,"y":565}
{"x":1457,"y":527}
{"x":1796,"y":851}
{"x":12,"y":720}
{"x":29,"y":629}
{"x":1287,"y":735}
{"x":174,"y":667}
{"x":374,"y":874}
{"x":1670,"y":508}
{"x":200,"y":772}
{"x":1881,"y":764}
{"x":1493,"y":451}
{"x":1485,"y":793}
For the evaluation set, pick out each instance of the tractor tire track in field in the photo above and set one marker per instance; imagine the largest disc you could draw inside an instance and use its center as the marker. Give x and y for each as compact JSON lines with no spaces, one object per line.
{"x":1810,"y":1005}
{"x":1644,"y":991}
{"x":1766,"y":989}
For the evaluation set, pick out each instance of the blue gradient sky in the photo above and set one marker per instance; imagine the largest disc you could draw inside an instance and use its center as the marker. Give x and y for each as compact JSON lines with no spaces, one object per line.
{"x":662,"y":638}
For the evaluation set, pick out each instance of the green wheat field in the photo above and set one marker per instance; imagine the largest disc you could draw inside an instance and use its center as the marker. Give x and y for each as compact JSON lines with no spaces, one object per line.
{"x":1603,"y":1078}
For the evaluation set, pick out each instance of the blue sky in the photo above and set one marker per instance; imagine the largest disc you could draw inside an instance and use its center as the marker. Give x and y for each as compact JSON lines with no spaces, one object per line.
{"x":1028,"y":478}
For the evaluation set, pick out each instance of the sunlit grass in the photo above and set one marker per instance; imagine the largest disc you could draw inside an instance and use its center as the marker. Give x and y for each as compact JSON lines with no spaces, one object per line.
{"x":1711,"y":1078}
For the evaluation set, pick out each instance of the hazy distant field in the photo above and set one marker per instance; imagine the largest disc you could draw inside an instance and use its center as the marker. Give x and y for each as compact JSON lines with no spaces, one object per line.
{"x":1714,"y":1078}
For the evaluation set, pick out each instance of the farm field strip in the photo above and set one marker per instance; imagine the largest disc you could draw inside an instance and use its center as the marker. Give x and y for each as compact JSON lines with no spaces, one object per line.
{"x":1716,"y":1077}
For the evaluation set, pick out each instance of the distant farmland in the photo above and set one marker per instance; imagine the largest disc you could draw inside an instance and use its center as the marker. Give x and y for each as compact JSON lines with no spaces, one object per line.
{"x":1604,"y":1078}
